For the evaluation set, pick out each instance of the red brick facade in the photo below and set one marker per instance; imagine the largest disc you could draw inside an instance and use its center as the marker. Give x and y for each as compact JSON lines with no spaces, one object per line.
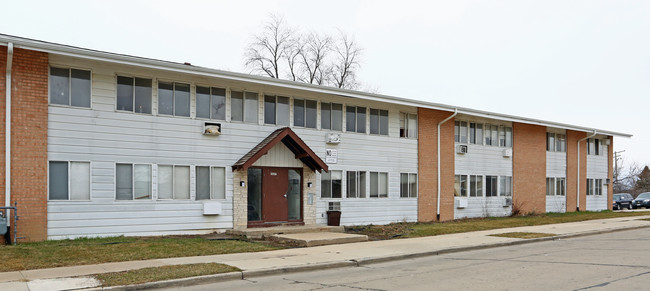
{"x":610,"y":171}
{"x":428,"y":120}
{"x":572,"y":138}
{"x":529,"y":168}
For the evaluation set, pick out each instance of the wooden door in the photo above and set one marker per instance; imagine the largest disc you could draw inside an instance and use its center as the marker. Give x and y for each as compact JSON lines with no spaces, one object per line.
{"x":275,"y":184}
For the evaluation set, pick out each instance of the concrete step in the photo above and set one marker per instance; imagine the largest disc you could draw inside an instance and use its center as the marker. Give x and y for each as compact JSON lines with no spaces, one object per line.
{"x":266,"y":232}
{"x":312,"y":239}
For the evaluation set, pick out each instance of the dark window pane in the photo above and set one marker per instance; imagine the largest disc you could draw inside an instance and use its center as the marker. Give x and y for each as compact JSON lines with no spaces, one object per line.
{"x":311,"y":114}
{"x":269,"y":109}
{"x":298,"y":112}
{"x":403,"y":185}
{"x":202,"y":102}
{"x":143,"y":95}
{"x":254,"y":194}
{"x":80,"y":85}
{"x":325,"y":185}
{"x":124,"y":93}
{"x":58,"y":180}
{"x":165,"y":98}
{"x":325,"y":115}
{"x":337,"y":116}
{"x":336,"y":188}
{"x":350,"y":118}
{"x":383,"y":122}
{"x":59,"y":86}
{"x":202,"y":183}
{"x":374,"y":121}
{"x":124,"y":182}
{"x":182,"y":99}
{"x":282,"y":117}
{"x":237,"y":106}
{"x":219,"y":103}
{"x":361,"y":119}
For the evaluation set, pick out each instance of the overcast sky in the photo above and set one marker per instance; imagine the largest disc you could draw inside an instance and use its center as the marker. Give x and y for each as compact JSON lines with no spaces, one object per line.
{"x":579,"y":62}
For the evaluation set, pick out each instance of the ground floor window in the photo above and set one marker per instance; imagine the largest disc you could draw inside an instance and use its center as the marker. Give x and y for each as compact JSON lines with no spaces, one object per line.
{"x":173,"y":182}
{"x":210,"y":182}
{"x":460,"y":186}
{"x":408,"y":185}
{"x":473,"y":186}
{"x":555,"y":186}
{"x":505,"y":185}
{"x":356,"y":184}
{"x":331,"y":184}
{"x":491,"y":186}
{"x":595,"y":187}
{"x":132,"y":181}
{"x":69,"y":180}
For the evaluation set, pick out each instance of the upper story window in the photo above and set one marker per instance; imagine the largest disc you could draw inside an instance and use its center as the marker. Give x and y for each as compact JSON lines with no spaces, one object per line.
{"x":211,"y":103}
{"x":594,"y":147}
{"x":505,"y":137}
{"x":134,"y":94}
{"x":70,"y":87}
{"x":174,"y":99}
{"x":460,"y":131}
{"x":378,"y":121}
{"x":132,"y":182}
{"x":355,"y":119}
{"x":305,"y":113}
{"x":244,"y":106}
{"x":408,"y":125}
{"x":331,"y":116}
{"x":475,"y":133}
{"x":69,"y":180}
{"x":276,"y":110}
{"x":491,"y":135}
{"x":555,"y":142}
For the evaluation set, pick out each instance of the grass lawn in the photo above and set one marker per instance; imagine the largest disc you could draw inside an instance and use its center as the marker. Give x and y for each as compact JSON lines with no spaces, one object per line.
{"x":412,"y":229}
{"x":59,"y":253}
{"x":145,"y":275}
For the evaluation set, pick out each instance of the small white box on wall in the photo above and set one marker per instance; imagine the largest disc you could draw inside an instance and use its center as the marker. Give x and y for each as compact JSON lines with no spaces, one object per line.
{"x":460,"y":202}
{"x":212,"y":208}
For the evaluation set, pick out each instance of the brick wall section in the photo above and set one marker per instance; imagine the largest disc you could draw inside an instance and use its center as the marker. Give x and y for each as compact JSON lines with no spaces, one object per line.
{"x":427,"y":165}
{"x":3,"y":67}
{"x":610,"y":172}
{"x":572,"y":138}
{"x":529,"y":168}
{"x":29,"y":142}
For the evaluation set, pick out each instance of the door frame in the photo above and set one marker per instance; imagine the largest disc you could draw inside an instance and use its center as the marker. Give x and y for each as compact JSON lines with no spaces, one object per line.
{"x":262,"y":223}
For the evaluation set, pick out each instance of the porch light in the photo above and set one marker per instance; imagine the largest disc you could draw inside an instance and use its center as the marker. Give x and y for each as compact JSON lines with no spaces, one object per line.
{"x":308,"y":184}
{"x":242,"y":184}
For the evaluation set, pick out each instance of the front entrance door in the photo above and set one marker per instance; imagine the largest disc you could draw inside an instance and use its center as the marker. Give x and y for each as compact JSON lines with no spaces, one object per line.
{"x":274,"y":194}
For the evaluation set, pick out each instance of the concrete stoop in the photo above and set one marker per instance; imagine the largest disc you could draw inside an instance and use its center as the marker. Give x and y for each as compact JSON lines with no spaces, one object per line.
{"x":267,"y":232}
{"x":312,"y":239}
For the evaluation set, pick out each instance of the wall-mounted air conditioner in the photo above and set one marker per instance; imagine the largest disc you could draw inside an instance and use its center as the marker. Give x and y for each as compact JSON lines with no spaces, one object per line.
{"x":507,"y":153}
{"x":212,"y":208}
{"x":462,"y":149}
{"x":210,"y":128}
{"x":607,"y":181}
{"x":507,"y":202}
{"x":333,"y":138}
{"x":460,"y":202}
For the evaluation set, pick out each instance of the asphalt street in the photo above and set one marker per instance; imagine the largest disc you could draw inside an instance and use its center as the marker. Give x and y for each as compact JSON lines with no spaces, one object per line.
{"x":612,"y":261}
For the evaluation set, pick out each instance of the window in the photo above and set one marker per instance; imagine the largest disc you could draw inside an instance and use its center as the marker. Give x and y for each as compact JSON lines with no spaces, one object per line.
{"x":355,"y":119}
{"x":211,"y":103}
{"x":378,"y":121}
{"x":560,"y":186}
{"x":210,"y":183}
{"x":550,"y":186}
{"x":460,"y":186}
{"x":356,"y":184}
{"x":555,"y":142}
{"x":69,"y":180}
{"x":550,"y":142}
{"x":276,"y":110}
{"x":408,"y":185}
{"x":134,"y":94}
{"x":460,"y":131}
{"x":173,"y":182}
{"x":331,"y":115}
{"x":476,"y":133}
{"x":132,"y":182}
{"x":475,"y":186}
{"x":70,"y":87}
{"x":594,"y":186}
{"x":331,"y":185}
{"x":408,"y":125}
{"x":491,"y":135}
{"x":244,"y":106}
{"x":594,"y":147}
{"x":505,"y":137}
{"x":378,"y":184}
{"x":491,"y":186}
{"x":304,"y":113}
{"x":505,"y":186}
{"x":174,"y":99}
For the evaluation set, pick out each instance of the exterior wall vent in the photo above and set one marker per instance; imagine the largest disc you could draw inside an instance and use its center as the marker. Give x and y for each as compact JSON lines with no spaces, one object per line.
{"x":507,"y":153}
{"x":507,"y":202}
{"x":462,"y":149}
{"x":210,"y":128}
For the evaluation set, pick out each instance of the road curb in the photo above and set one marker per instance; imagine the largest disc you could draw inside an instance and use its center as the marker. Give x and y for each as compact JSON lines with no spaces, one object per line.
{"x":176,"y":282}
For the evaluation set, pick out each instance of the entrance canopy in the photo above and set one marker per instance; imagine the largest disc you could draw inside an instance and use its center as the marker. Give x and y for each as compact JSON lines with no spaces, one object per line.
{"x":291,"y":140}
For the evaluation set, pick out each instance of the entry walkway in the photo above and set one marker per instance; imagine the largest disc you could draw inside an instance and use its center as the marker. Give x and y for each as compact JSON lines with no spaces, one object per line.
{"x":300,"y":259}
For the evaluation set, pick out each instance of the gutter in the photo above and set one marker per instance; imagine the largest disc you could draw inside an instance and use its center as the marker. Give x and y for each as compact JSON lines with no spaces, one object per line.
{"x":438,"y":164}
{"x":10,"y":56}
{"x":578,"y":194}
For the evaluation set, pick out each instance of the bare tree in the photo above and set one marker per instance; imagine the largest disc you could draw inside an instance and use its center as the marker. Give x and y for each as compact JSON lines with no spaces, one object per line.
{"x":292,"y":53}
{"x":267,"y":49}
{"x":626,"y":177}
{"x":346,"y":62}
{"x":313,"y":56}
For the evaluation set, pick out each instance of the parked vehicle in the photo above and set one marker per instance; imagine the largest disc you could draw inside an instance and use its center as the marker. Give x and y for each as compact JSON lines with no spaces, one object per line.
{"x":622,"y":201}
{"x":643,"y":200}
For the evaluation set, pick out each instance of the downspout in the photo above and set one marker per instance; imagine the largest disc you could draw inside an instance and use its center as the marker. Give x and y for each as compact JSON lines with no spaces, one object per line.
{"x":578,"y":194}
{"x":438,"y":181}
{"x":10,"y":56}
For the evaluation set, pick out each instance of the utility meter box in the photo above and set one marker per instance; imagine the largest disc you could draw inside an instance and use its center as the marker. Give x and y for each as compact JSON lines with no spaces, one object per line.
{"x":3,"y":224}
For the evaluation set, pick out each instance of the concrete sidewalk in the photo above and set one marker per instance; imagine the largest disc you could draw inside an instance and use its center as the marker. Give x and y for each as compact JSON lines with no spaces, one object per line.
{"x":302,"y":259}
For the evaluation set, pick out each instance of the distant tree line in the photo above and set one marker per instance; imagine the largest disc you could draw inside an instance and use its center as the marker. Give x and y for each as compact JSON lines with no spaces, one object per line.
{"x":632,"y":179}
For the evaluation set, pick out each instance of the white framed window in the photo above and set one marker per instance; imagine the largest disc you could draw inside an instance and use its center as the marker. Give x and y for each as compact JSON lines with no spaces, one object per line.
{"x":460,"y":131}
{"x":491,"y":186}
{"x":69,"y":180}
{"x":210,"y":182}
{"x":475,"y":133}
{"x":331,"y":115}
{"x":331,"y":184}
{"x":460,"y":185}
{"x":408,"y":125}
{"x":550,"y":186}
{"x":476,"y":186}
{"x":70,"y":87}
{"x":555,"y":142}
{"x":173,"y":182}
{"x":408,"y":185}
{"x":594,"y":147}
{"x":595,"y":187}
{"x":276,"y":110}
{"x":378,"y":185}
{"x":134,"y":94}
{"x":173,"y":99}
{"x":505,"y":186}
{"x":505,"y":137}
{"x":560,"y":186}
{"x":378,"y":121}
{"x":355,"y":119}
{"x":133,"y":181}
{"x":305,"y":113}
{"x":491,"y":135}
{"x":356,"y":184}
{"x":244,"y":106}
{"x":210,"y":103}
